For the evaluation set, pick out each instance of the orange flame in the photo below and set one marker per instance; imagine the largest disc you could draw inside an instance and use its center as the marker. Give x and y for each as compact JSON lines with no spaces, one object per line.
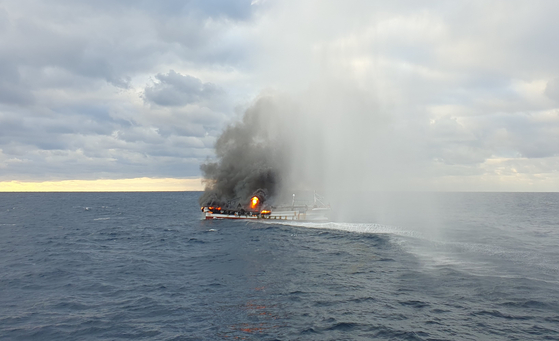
{"x":254,"y":202}
{"x":265,"y":212}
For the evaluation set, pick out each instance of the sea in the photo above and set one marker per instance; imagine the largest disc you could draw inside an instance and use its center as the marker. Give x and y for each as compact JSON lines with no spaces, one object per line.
{"x":389,"y":266}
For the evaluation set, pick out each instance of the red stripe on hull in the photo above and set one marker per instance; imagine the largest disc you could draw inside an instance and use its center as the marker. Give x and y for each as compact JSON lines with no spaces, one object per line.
{"x":209,"y":217}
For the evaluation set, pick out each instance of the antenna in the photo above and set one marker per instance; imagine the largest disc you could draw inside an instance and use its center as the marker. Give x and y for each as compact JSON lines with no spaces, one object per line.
{"x":318,"y":198}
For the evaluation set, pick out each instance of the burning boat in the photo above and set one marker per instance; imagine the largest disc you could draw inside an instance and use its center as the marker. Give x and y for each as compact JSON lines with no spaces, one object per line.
{"x":257,"y":208}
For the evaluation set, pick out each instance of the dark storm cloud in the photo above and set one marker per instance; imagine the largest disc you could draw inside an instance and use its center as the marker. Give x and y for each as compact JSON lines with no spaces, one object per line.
{"x":174,"y":89}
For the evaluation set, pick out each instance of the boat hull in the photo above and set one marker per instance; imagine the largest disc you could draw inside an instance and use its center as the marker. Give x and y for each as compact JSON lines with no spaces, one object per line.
{"x":318,"y":214}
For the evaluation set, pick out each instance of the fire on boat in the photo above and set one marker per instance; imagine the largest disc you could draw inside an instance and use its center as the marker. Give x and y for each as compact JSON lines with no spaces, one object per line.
{"x":256,"y":207}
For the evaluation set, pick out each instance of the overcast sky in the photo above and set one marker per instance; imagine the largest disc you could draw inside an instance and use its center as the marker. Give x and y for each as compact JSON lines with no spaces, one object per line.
{"x":129,"y":89}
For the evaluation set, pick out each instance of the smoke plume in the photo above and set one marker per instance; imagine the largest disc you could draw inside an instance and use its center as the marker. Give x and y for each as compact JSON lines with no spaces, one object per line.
{"x":325,"y":139}
{"x":332,"y":138}
{"x":248,"y":158}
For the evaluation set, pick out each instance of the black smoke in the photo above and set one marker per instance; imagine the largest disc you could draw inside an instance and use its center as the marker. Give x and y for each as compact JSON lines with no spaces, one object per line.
{"x":248,"y":159}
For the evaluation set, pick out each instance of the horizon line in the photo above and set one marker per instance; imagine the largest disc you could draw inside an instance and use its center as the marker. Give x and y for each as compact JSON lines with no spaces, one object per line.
{"x":143,"y":184}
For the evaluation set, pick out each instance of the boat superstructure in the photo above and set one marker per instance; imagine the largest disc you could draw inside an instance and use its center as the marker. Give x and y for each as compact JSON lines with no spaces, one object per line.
{"x":258,"y":209}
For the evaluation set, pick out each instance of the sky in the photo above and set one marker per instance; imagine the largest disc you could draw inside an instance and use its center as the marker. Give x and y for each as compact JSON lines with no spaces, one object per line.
{"x":398,"y":95}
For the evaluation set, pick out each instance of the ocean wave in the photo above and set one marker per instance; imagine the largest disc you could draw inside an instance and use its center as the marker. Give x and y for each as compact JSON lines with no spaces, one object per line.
{"x":371,"y":228}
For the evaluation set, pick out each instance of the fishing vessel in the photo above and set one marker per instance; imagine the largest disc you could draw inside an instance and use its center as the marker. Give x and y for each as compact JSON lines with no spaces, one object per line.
{"x":258,"y":209}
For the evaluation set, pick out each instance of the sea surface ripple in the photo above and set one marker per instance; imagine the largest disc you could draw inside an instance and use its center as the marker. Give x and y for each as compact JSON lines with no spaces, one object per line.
{"x":144,"y":266}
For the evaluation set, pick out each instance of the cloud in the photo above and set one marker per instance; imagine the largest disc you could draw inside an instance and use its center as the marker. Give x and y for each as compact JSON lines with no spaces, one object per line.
{"x":114,"y":41}
{"x":101,"y":185}
{"x":72,"y":78}
{"x":552,"y":89}
{"x":12,"y":91}
{"x":174,"y":89}
{"x":395,"y":94}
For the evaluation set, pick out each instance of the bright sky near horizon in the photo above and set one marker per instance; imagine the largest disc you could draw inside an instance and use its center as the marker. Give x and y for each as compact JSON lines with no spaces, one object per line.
{"x":118,"y":185}
{"x":128,"y":95}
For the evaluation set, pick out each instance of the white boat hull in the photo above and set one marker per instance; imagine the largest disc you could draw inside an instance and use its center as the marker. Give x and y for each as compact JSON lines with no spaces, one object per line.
{"x":315,"y":214}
